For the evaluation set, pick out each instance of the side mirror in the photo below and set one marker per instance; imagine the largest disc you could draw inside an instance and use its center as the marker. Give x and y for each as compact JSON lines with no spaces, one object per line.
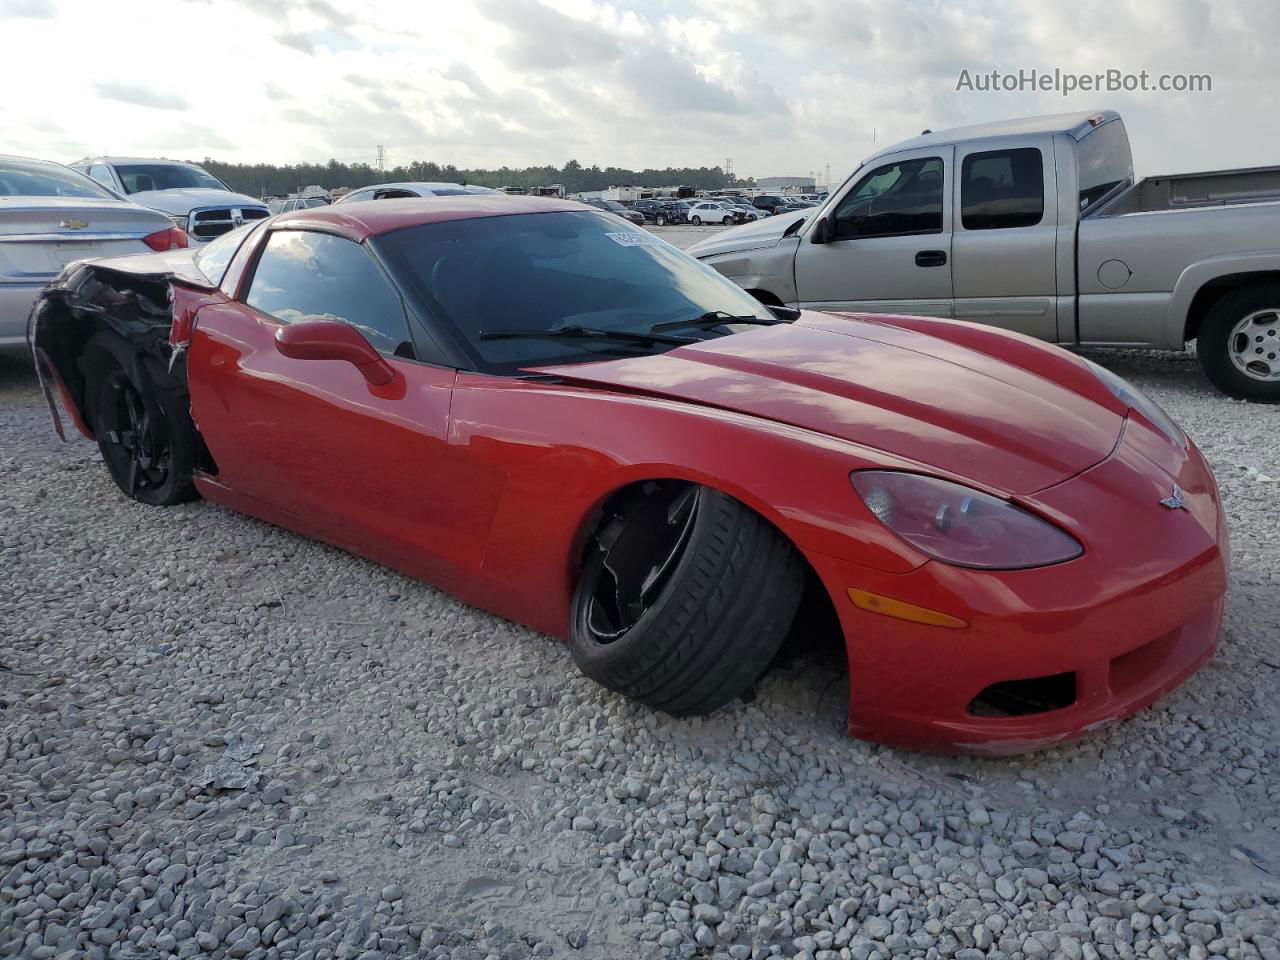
{"x":821,"y":231}
{"x":333,"y":340}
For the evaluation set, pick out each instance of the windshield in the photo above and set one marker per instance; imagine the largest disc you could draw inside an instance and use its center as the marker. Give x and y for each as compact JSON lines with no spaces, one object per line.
{"x":138,"y":177}
{"x":213,"y":257}
{"x":19,"y":178}
{"x":542,"y":272}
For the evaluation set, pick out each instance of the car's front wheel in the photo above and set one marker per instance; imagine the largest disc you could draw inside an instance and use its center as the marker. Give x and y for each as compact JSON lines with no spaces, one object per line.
{"x":660,"y":221}
{"x":684,"y":598}
{"x":697,"y":221}
{"x":1239,"y":343}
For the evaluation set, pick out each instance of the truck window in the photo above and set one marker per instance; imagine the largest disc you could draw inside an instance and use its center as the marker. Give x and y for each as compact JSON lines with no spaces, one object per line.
{"x":1002,"y":189}
{"x":1104,"y":161}
{"x":898,"y":199}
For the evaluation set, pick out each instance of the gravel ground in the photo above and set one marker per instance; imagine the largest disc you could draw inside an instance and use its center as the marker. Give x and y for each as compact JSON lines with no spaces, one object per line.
{"x":219,"y":739}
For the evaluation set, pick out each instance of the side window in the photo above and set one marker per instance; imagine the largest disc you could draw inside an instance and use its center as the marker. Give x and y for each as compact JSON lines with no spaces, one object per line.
{"x":393,"y":194}
{"x":303,"y":275}
{"x":898,"y":199}
{"x":1002,"y":189}
{"x":100,"y":173}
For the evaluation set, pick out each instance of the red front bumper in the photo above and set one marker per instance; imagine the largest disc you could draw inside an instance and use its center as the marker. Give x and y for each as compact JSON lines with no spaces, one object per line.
{"x":1127,"y":621}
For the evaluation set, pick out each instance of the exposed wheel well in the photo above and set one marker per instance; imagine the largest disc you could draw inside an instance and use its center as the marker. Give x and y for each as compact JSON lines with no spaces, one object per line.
{"x":1214,"y":290}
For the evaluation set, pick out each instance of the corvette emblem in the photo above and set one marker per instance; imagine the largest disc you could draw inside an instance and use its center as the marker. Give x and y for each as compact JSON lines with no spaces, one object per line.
{"x":1174,"y":501}
{"x":74,"y":224}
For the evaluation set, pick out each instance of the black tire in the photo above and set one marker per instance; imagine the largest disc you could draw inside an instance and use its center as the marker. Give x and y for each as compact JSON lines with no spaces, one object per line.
{"x":142,"y":421}
{"x":660,"y":221}
{"x":707,"y":608}
{"x":697,"y":221}
{"x":1224,"y":349}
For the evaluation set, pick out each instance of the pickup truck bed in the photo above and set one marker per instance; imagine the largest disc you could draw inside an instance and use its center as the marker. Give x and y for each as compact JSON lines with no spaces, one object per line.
{"x":1189,"y":190}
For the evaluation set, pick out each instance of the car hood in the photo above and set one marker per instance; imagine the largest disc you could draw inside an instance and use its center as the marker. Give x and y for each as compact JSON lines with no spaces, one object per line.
{"x":765,"y":232}
{"x":185,"y":199}
{"x":918,"y":397}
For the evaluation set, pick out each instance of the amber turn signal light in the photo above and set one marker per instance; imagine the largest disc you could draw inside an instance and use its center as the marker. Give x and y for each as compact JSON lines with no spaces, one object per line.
{"x":874,"y":603}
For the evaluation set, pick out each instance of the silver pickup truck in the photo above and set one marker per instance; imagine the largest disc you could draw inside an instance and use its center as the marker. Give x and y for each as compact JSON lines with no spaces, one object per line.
{"x":1037,"y":225}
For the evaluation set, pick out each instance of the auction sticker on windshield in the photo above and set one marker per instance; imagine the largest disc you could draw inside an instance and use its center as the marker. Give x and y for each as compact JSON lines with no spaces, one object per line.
{"x":633,"y":239}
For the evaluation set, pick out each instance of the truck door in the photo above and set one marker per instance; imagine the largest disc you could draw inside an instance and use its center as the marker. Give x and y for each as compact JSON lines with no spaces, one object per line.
{"x":1004,"y":269}
{"x":888,"y":248}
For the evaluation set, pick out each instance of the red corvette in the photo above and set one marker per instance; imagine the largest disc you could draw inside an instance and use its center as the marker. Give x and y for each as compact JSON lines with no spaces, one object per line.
{"x":565,"y":420}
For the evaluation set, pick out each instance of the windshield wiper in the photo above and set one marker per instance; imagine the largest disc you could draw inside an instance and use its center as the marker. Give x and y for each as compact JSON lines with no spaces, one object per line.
{"x":714,"y":318}
{"x":586,"y":333}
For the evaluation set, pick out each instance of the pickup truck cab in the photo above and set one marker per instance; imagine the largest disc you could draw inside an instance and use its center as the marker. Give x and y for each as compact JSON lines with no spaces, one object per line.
{"x":1038,"y":226}
{"x":190,"y":196}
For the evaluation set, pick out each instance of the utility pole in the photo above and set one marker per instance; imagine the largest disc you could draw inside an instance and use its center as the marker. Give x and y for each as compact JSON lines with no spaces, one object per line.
{"x":382,"y":158}
{"x":728,"y":167}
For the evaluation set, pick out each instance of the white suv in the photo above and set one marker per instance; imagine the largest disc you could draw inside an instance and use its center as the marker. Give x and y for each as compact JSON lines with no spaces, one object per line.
{"x":709,"y":211}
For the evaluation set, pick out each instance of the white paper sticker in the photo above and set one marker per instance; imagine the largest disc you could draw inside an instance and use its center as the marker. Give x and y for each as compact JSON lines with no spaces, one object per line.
{"x":632,"y":239}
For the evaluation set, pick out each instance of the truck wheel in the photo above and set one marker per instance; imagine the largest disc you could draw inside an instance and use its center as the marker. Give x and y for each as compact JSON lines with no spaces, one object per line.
{"x":684,"y":598}
{"x":144,"y":428}
{"x":1239,"y":343}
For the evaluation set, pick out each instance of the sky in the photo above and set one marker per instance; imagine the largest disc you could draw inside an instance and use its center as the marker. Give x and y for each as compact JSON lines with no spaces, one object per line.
{"x":785,"y":87}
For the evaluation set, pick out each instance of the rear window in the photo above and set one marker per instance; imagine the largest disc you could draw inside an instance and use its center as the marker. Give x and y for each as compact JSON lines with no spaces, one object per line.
{"x":1002,"y":189}
{"x":20,"y":178}
{"x":1104,"y":162}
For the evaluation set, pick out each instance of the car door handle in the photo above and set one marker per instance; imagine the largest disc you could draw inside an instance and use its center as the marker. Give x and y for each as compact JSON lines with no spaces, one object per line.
{"x":931,"y":258}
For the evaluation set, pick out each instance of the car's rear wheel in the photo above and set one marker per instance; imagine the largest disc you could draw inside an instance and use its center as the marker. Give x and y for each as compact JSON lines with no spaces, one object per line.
{"x":684,"y":598}
{"x":143,"y":429}
{"x":1239,"y":343}
{"x":660,"y":220}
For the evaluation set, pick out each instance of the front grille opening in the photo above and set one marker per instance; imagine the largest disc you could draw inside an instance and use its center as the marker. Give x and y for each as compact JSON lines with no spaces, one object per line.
{"x":1020,"y":698}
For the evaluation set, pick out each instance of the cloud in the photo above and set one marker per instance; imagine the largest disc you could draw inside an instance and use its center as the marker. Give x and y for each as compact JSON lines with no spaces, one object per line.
{"x":545,"y":39}
{"x":140,"y":96}
{"x":32,"y":9}
{"x":296,"y":41}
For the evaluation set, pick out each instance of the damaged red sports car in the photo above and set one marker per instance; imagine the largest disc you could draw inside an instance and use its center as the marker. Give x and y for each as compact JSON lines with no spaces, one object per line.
{"x":567,"y":421}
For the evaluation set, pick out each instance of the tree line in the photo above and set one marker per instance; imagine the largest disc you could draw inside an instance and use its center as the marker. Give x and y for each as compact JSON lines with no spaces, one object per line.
{"x":268,"y":179}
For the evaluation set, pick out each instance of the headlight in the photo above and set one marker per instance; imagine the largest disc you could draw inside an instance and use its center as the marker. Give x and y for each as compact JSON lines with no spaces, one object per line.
{"x":961,"y":526}
{"x":1135,"y":399}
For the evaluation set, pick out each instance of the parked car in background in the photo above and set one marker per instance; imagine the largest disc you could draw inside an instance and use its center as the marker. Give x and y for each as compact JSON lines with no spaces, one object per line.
{"x":768,"y":202}
{"x":50,"y":216}
{"x":397,"y":191}
{"x":190,"y":196}
{"x":709,"y":211}
{"x":1037,"y":225}
{"x":746,"y":213}
{"x":289,"y":204}
{"x":613,"y":206}
{"x":661,"y":211}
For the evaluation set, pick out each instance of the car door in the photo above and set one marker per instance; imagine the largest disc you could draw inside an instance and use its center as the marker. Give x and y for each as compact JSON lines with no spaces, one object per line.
{"x":1004,"y":269}
{"x":888,"y":242}
{"x":365,"y":465}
